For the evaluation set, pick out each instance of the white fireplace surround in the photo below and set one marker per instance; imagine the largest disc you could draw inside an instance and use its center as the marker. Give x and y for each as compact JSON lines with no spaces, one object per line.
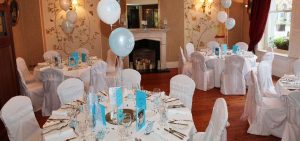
{"x":156,"y":35}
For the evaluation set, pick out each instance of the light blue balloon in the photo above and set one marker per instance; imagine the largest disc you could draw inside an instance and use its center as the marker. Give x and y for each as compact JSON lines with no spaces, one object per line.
{"x":230,"y":23}
{"x":226,"y":3}
{"x":121,"y":41}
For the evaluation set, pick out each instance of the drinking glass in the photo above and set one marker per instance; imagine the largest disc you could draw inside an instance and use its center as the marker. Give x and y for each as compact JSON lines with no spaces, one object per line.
{"x":156,"y":98}
{"x":163,"y":118}
{"x":124,"y":125}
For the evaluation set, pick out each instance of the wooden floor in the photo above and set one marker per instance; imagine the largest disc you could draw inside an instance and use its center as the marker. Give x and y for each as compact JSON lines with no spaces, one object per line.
{"x":202,"y":108}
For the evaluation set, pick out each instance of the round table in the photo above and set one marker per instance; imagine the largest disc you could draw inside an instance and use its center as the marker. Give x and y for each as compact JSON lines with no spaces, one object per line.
{"x":218,"y":64}
{"x":287,"y":84}
{"x":67,"y":71}
{"x":179,"y":115}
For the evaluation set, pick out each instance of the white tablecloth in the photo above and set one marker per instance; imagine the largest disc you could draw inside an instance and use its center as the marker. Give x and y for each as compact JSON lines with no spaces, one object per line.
{"x":287,"y":84}
{"x":67,"y":71}
{"x":218,"y":64}
{"x":183,"y":115}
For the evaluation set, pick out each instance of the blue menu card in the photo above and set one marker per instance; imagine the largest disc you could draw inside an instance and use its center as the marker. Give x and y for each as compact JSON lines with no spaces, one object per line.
{"x":140,"y":109}
{"x":116,"y":97}
{"x":224,"y":48}
{"x":100,"y":119}
{"x":235,"y":49}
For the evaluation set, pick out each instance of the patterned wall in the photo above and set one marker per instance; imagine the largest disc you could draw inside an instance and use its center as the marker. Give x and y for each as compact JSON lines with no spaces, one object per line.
{"x":199,"y":27}
{"x":86,"y":33}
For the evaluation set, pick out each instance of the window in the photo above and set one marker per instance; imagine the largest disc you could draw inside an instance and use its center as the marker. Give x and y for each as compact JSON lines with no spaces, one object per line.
{"x":278,"y":26}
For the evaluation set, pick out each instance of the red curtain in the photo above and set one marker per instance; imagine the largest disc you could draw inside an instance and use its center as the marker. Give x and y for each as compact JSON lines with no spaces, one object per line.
{"x":258,"y":20}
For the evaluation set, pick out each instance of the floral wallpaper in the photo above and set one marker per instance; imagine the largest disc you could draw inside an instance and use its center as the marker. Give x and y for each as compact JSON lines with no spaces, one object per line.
{"x":200,"y":27}
{"x":86,"y":33}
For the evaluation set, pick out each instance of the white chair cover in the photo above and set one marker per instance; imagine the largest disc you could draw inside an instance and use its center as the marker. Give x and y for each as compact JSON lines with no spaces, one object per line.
{"x":85,"y":77}
{"x":83,"y":50}
{"x":264,"y":75}
{"x":111,"y":61}
{"x":203,"y":77}
{"x":19,"y":120}
{"x":269,"y":49}
{"x":70,"y":90}
{"x":181,"y":61}
{"x":216,"y":130}
{"x":212,"y":44}
{"x":98,"y":76}
{"x":49,"y":55}
{"x":183,"y":87}
{"x":292,"y":127}
{"x":297,"y":67}
{"x":185,"y":67}
{"x":33,"y":90}
{"x":266,"y":116}
{"x":189,"y":48}
{"x":22,"y":68}
{"x":51,"y":79}
{"x":242,"y":46}
{"x":130,"y":78}
{"x":268,"y":56}
{"x":232,"y":80}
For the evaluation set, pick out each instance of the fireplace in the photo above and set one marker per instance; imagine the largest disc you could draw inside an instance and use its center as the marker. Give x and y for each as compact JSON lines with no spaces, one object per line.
{"x":145,"y":56}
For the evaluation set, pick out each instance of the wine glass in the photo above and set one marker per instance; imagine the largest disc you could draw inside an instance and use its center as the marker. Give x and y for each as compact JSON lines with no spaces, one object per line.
{"x":126,"y":123}
{"x":156,"y":98}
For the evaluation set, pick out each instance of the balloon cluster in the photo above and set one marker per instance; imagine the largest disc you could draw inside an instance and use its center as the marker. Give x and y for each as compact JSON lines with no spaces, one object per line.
{"x":121,"y":40}
{"x":223,"y":17}
{"x":69,"y":23}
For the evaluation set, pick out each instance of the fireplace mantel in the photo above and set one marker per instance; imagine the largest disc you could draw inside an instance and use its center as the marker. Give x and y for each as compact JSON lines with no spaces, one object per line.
{"x":157,"y":35}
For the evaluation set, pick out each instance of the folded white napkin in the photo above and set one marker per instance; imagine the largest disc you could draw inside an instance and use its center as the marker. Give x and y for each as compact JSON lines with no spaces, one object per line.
{"x":43,"y":64}
{"x":44,"y":68}
{"x":60,"y":135}
{"x":60,"y":114}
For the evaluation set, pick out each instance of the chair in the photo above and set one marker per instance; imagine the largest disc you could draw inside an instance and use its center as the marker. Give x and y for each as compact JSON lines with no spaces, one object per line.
{"x":98,"y":76}
{"x":70,"y":90}
{"x":185,"y":67}
{"x":189,"y":48}
{"x":232,"y":79}
{"x":83,"y":50}
{"x":268,"y":56}
{"x":33,"y":90}
{"x":297,"y":67}
{"x":182,"y":87}
{"x":130,"y":78}
{"x":85,"y":77}
{"x":212,"y":45}
{"x":242,"y":46}
{"x":49,"y":55}
{"x":269,"y":49}
{"x":264,"y":75}
{"x":111,"y":61}
{"x":51,"y":79}
{"x":266,"y":116}
{"x":292,"y":126}
{"x":216,"y":130}
{"x":203,"y":77}
{"x":22,"y":68}
{"x":19,"y":120}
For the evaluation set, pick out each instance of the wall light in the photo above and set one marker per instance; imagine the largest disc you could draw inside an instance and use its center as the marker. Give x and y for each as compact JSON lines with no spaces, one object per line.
{"x":74,"y":5}
{"x":205,"y":4}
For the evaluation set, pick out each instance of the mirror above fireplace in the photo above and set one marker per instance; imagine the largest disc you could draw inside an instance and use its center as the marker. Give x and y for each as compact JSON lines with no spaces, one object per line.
{"x":142,"y":13}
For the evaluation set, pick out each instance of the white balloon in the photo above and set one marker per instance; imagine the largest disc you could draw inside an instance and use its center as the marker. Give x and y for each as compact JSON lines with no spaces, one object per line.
{"x":109,"y":11}
{"x":222,"y":16}
{"x":226,"y":3}
{"x":67,"y":26}
{"x":230,"y":23}
{"x":65,"y":4}
{"x":72,"y":16}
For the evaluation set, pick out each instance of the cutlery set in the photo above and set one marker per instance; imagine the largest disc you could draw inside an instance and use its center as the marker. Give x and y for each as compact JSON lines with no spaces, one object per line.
{"x":175,"y":133}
